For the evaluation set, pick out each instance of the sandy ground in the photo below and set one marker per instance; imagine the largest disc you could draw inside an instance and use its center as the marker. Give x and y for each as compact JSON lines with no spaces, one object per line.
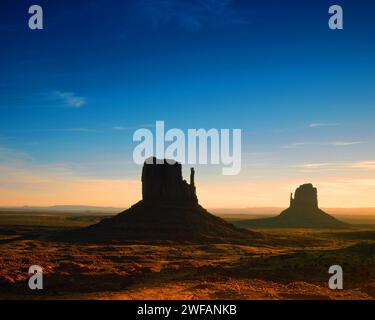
{"x":216,"y":271}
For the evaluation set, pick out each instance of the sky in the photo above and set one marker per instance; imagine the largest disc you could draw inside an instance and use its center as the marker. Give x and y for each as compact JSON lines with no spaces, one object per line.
{"x":72,"y":95}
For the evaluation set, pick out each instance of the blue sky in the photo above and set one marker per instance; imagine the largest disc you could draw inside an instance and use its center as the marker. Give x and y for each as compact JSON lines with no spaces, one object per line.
{"x":73,"y":94}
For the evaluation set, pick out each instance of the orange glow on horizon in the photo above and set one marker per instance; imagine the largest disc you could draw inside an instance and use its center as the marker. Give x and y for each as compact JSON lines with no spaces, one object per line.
{"x":234,"y":194}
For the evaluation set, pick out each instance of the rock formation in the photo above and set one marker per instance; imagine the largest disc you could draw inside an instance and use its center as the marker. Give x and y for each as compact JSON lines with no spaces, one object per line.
{"x":163,"y":183}
{"x":303,"y":212}
{"x":169,"y":211}
{"x":305,"y":197}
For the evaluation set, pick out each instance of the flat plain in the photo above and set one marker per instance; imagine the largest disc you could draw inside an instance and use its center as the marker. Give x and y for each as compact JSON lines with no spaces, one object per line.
{"x":292,"y":264}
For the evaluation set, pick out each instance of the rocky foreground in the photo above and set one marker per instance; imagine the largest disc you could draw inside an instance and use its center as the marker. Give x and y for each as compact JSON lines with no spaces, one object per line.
{"x":213,"y":271}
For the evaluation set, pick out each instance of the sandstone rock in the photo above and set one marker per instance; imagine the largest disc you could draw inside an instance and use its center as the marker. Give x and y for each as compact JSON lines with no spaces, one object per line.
{"x":303,"y":212}
{"x":163,"y":183}
{"x":306,"y":196}
{"x":169,"y":211}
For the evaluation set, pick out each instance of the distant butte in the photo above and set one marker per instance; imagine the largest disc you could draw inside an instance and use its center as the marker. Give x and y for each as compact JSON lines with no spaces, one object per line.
{"x":303,"y":212}
{"x":169,"y":211}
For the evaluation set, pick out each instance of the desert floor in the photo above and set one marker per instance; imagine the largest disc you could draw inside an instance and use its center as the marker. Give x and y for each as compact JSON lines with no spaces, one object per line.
{"x":292,"y":265}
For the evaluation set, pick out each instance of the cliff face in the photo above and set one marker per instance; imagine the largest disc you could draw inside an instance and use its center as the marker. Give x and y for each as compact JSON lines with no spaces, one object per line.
{"x":163,"y":183}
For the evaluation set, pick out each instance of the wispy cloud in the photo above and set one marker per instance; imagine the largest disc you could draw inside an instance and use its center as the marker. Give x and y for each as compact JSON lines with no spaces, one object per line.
{"x":125,"y":128}
{"x":365,"y":165}
{"x":316,"y":165}
{"x":69,"y":99}
{"x":322,"y":143}
{"x":58,"y":130}
{"x":319,"y":125}
{"x":71,"y":130}
{"x":121,"y":128}
{"x":45,"y":98}
{"x":13,"y":156}
{"x":189,"y":15}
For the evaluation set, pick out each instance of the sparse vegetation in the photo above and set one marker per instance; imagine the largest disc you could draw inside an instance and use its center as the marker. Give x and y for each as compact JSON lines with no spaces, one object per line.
{"x":293,"y":264}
